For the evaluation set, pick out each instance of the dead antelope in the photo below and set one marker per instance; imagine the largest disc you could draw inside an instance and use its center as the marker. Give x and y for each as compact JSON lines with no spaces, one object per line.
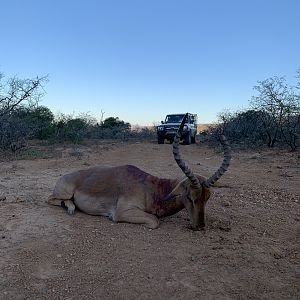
{"x":128,"y":194}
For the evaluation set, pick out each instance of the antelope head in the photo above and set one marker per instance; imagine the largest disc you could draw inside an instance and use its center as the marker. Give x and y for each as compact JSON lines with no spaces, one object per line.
{"x":194,"y":190}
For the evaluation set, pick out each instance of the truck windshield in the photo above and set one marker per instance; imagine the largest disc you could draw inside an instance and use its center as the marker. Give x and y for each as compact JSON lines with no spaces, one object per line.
{"x":174,"y":118}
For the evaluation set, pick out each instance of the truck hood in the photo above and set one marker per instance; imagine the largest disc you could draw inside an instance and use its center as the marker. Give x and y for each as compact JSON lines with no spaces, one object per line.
{"x":171,"y":124}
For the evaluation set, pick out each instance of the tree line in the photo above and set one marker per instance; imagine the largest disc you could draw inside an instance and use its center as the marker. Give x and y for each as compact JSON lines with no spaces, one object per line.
{"x":272,"y":119}
{"x":22,"y":118}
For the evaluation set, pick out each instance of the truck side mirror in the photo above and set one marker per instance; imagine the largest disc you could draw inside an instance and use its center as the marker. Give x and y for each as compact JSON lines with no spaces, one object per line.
{"x":162,"y":122}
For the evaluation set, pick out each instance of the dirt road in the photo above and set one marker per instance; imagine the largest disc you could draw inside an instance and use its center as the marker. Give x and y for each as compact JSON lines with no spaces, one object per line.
{"x":249,"y":250}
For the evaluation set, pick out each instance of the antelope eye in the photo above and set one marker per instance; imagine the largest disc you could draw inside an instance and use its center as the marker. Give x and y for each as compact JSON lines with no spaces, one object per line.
{"x":172,"y":196}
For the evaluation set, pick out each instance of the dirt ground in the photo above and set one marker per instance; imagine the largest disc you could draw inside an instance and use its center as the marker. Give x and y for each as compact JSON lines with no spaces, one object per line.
{"x":249,"y":250}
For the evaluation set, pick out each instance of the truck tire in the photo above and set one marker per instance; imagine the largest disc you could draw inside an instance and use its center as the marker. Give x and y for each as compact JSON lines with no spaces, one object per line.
{"x":187,"y":139}
{"x":193,"y":139}
{"x":160,"y":140}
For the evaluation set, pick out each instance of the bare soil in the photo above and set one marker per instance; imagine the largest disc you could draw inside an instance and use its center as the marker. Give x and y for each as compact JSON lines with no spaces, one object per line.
{"x":249,"y":250}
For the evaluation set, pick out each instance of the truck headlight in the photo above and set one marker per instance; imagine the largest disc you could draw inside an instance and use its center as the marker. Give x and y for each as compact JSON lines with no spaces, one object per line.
{"x":185,"y":128}
{"x":160,"y":128}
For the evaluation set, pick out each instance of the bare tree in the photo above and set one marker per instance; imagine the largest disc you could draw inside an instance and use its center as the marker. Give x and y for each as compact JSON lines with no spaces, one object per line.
{"x":279,"y":105}
{"x":291,"y":127}
{"x":16,"y":96}
{"x":15,"y":92}
{"x":102,"y":116}
{"x":298,"y":80}
{"x":273,"y":117}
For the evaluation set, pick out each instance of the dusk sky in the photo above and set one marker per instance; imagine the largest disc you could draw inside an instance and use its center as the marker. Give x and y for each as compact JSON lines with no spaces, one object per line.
{"x":141,"y":59}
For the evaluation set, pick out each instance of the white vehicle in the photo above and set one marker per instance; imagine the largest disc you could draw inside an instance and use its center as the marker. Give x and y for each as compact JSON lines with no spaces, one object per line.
{"x":168,"y":128}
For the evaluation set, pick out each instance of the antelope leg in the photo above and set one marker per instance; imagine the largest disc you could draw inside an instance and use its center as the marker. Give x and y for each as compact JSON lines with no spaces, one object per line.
{"x":64,"y":203}
{"x":70,"y":206}
{"x":138,"y":216}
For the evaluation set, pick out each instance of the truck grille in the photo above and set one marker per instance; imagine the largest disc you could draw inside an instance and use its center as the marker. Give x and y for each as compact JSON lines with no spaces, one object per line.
{"x":173,"y":128}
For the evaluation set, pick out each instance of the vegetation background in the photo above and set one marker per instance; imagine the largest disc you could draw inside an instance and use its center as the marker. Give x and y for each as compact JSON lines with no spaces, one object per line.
{"x":272,"y":119}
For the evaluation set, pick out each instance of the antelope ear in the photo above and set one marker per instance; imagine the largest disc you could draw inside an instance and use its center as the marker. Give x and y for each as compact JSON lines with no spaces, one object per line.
{"x":207,"y":194}
{"x":178,"y":190}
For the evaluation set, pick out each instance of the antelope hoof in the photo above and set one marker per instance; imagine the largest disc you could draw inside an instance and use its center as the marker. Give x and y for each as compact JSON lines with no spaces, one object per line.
{"x":197,"y":228}
{"x":71,"y":211}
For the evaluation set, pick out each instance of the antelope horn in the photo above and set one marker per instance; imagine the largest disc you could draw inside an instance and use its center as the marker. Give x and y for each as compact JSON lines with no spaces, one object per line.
{"x":225,"y":164}
{"x":186,"y":170}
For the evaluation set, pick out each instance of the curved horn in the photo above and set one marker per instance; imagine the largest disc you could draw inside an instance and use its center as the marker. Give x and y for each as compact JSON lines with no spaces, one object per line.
{"x":186,"y":170}
{"x":225,"y":164}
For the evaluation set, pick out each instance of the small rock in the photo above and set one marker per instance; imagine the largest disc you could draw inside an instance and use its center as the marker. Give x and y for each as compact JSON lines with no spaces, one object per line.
{"x":225,"y":228}
{"x":277,"y":255}
{"x":255,"y":156}
{"x":2,"y":198}
{"x":225,"y":203}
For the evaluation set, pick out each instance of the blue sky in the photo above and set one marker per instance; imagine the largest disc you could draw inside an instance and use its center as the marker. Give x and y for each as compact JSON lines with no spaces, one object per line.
{"x":141,"y":59}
